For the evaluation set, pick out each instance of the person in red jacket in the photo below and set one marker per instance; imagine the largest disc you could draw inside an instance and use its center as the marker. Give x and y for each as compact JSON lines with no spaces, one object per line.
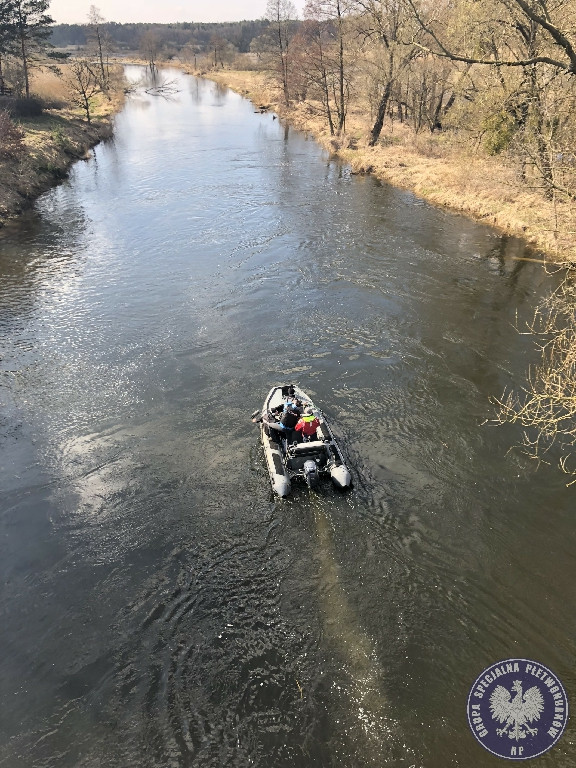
{"x":308,"y":424}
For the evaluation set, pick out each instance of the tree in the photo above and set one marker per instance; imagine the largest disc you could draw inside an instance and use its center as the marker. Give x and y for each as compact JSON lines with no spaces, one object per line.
{"x":385,"y":23}
{"x":535,"y":18}
{"x":101,"y":43}
{"x":222,"y":50}
{"x":314,"y":63}
{"x":8,"y":33}
{"x":150,"y":47}
{"x":530,"y":38}
{"x":83,"y":84}
{"x":546,"y":406}
{"x":32,"y":28}
{"x":333,"y":12}
{"x":281,"y":14}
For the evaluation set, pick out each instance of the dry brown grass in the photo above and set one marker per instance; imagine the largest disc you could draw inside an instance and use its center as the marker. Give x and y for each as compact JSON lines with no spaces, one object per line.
{"x":49,"y":86}
{"x":52,"y":142}
{"x":54,"y":90}
{"x":444,"y":173}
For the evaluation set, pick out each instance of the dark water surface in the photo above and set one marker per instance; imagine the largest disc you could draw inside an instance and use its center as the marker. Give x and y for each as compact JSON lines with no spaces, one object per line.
{"x":158,"y":607}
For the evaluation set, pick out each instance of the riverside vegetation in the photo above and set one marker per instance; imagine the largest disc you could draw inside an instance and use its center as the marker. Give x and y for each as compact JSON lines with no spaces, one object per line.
{"x":470,"y":105}
{"x":447,"y":174}
{"x":39,"y":144}
{"x":487,"y":189}
{"x":52,"y":108}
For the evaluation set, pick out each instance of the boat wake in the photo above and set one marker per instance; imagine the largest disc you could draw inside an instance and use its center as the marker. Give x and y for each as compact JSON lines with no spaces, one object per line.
{"x":366,"y":724}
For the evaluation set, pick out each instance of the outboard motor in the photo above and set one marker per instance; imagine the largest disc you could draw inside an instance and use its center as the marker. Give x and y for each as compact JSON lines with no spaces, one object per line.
{"x":311,"y":474}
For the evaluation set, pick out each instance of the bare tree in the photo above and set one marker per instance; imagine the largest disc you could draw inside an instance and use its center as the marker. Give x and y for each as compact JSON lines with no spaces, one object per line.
{"x":83,"y":84}
{"x":528,"y":36}
{"x":546,"y":406}
{"x":222,"y":49}
{"x":501,"y":17}
{"x":315,"y":64}
{"x":150,"y":47}
{"x":384,"y":24}
{"x":333,"y":13}
{"x":101,"y":43}
{"x":281,"y":14}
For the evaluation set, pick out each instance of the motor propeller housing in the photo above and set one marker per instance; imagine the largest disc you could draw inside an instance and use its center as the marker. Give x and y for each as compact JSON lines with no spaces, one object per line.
{"x":311,"y":474}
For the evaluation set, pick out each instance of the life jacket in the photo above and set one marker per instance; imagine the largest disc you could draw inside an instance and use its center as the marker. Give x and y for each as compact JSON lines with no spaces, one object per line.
{"x":308,"y":425}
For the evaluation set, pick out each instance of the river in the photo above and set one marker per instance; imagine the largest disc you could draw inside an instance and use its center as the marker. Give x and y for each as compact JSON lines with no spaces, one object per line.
{"x":158,"y":606}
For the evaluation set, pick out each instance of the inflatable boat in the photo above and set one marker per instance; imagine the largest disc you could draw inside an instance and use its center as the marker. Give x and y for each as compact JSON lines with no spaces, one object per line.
{"x":292,"y":455}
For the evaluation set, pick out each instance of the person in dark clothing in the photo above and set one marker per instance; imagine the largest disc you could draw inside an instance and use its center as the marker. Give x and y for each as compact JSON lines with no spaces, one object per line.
{"x":288,"y":421}
{"x":295,"y":404}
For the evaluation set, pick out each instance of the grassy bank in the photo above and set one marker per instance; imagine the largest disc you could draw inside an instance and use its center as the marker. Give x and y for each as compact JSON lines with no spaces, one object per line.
{"x":431,"y":165}
{"x":52,"y":142}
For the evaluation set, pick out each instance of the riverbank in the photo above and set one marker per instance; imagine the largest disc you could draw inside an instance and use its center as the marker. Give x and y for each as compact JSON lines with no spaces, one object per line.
{"x":445,"y":174}
{"x":51,"y":143}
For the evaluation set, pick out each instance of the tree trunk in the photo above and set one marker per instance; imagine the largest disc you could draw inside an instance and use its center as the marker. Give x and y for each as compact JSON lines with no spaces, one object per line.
{"x":327,"y":102}
{"x":101,"y":60}
{"x":24,"y":54}
{"x":342,"y":115}
{"x":382,"y":106}
{"x":87,"y":108}
{"x":435,"y":123}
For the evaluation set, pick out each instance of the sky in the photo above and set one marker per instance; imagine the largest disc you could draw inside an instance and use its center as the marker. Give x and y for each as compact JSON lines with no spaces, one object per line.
{"x":160,"y":11}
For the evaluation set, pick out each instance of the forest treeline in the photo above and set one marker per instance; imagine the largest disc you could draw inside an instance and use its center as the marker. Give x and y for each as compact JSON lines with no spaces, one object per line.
{"x":171,"y":38}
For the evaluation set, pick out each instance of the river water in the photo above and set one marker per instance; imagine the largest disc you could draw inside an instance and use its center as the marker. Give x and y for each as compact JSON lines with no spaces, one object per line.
{"x":158,"y":606}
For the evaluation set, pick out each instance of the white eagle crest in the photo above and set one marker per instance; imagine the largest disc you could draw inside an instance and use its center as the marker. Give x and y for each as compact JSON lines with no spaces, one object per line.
{"x":516,"y":712}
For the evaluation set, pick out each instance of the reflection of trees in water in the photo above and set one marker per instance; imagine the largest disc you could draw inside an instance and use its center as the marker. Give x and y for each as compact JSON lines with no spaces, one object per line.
{"x":545,"y":407}
{"x":151,"y":80}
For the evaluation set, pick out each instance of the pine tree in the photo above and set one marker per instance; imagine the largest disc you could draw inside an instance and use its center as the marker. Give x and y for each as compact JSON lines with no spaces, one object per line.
{"x":32,"y":28}
{"x":7,"y":33}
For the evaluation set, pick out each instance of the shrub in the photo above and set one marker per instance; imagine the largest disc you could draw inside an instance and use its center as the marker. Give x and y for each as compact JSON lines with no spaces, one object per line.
{"x":11,"y":137}
{"x":499,"y":132}
{"x":31,"y":107}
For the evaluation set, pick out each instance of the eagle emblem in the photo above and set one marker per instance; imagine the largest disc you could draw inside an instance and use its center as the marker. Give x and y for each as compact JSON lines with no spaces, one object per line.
{"x":516,"y":711}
